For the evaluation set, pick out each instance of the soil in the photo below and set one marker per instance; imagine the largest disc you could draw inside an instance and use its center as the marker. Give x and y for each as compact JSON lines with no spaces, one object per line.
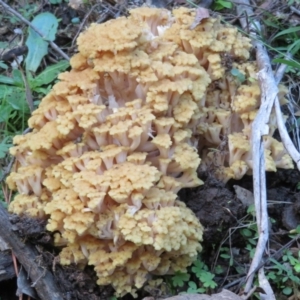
{"x":216,"y":207}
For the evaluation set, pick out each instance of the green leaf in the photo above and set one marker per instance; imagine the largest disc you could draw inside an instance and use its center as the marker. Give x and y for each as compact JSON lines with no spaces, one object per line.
{"x":193,"y":289}
{"x":287,"y":31}
{"x":246,"y":232}
{"x":198,"y":266}
{"x":294,"y":48}
{"x":207,"y":279}
{"x":236,"y":73}
{"x":179,"y":279}
{"x":226,"y":4}
{"x":224,"y":255}
{"x":271,"y":275}
{"x":221,"y":4}
{"x":3,"y":65}
{"x":290,"y":63}
{"x":49,"y":74}
{"x":6,"y":111}
{"x":4,"y":204}
{"x":75,"y":20}
{"x":297,"y":267}
{"x":18,"y":79}
{"x":271,"y":24}
{"x":37,"y":46}
{"x":4,"y":147}
{"x":192,"y":285}
{"x":17,"y":100}
{"x":14,"y":96}
{"x":287,"y":290}
{"x":251,"y":209}
{"x":6,"y":80}
{"x":219,"y":270}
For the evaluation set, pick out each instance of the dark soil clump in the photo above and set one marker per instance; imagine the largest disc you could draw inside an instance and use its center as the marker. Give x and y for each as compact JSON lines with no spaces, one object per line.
{"x":216,"y":207}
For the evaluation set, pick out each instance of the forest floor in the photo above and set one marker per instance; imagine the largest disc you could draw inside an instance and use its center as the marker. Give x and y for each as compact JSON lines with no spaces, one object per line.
{"x":226,"y":211}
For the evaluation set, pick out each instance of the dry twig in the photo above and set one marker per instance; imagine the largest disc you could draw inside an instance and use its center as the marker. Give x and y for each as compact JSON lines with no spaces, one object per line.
{"x":83,"y":22}
{"x":259,"y":129}
{"x":15,"y":13}
{"x":295,"y":10}
{"x":269,"y":98}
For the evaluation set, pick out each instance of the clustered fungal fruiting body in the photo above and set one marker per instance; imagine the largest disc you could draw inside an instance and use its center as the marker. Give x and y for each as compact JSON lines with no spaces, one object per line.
{"x":114,"y":141}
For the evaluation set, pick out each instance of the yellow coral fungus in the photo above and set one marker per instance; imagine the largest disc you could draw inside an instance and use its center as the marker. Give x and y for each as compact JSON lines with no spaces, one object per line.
{"x":116,"y":139}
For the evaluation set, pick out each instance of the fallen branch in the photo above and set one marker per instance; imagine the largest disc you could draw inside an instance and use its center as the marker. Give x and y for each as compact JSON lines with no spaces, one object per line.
{"x":26,"y":254}
{"x":19,"y":16}
{"x":269,"y":98}
{"x":260,"y":128}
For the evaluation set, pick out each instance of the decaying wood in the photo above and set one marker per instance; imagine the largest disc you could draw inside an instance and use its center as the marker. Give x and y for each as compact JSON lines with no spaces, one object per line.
{"x":42,"y":279}
{"x":6,"y":266}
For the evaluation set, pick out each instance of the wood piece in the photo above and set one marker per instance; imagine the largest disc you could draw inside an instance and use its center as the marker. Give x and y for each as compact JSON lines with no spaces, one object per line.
{"x":6,"y":266}
{"x":26,"y":254}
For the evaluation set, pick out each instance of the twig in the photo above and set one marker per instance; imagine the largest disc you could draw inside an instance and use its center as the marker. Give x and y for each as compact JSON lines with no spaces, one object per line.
{"x":7,"y":169}
{"x":263,"y":281}
{"x":26,"y":254}
{"x":11,"y":163}
{"x":286,"y":140}
{"x":295,"y":10}
{"x":28,"y":92}
{"x":259,"y":129}
{"x":52,"y":44}
{"x":83,"y":22}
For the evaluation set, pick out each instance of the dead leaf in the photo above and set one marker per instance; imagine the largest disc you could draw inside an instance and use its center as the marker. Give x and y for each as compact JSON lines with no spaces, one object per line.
{"x":245,"y":196}
{"x":24,"y":285}
{"x":201,"y":13}
{"x":75,"y":3}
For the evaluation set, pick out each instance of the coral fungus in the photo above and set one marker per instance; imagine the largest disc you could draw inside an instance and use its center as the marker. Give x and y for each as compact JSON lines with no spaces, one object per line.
{"x":116,"y":139}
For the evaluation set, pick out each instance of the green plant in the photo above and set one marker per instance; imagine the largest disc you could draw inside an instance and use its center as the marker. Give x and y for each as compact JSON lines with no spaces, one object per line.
{"x":238,"y":75}
{"x":47,"y":24}
{"x":13,"y":91}
{"x":202,"y":273}
{"x":200,"y":270}
{"x":5,"y":144}
{"x":282,"y":273}
{"x":55,"y":1}
{"x":27,"y":11}
{"x":13,"y":105}
{"x":222,"y":4}
{"x":179,"y":279}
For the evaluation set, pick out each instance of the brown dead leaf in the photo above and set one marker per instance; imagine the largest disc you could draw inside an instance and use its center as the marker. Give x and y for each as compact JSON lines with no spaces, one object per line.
{"x":201,"y":13}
